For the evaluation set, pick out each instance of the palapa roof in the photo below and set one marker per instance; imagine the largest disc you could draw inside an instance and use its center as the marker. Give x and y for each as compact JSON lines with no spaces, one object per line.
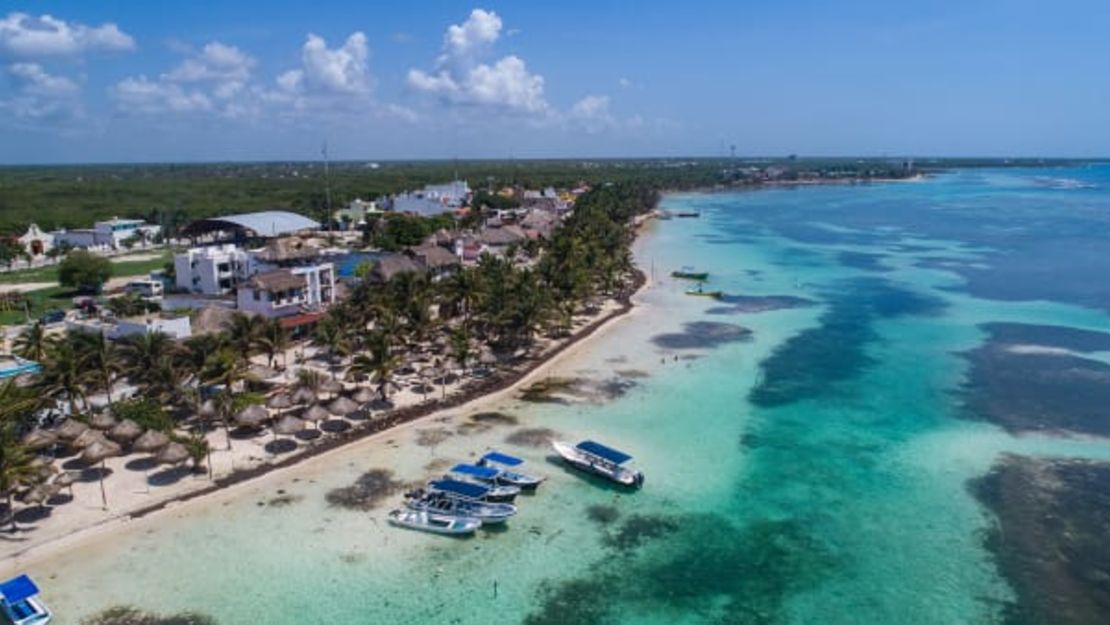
{"x":277,"y":280}
{"x":505,"y":235}
{"x":286,"y":249}
{"x":434,"y":256}
{"x":390,"y":265}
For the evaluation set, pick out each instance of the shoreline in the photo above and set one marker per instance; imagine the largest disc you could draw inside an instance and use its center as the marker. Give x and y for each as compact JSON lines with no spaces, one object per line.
{"x":487,"y":391}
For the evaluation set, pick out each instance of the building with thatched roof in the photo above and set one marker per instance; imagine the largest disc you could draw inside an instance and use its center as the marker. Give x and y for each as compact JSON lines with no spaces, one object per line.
{"x":390,"y":265}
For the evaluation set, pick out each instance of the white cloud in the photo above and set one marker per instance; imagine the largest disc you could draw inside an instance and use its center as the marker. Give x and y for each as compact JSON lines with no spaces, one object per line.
{"x":461,"y":78}
{"x":27,"y":36}
{"x":157,"y":96}
{"x":479,"y":31}
{"x":625,"y":83}
{"x":592,"y":113}
{"x":37,"y":95}
{"x":215,"y":62}
{"x":342,"y":70}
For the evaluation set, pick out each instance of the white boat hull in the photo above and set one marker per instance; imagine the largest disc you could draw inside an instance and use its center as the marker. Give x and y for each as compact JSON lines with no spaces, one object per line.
{"x":585,"y":462}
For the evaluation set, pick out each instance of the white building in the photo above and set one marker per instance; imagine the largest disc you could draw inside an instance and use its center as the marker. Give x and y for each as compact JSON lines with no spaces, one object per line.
{"x":107,"y":235}
{"x":213,"y":270}
{"x":36,"y":242}
{"x":175,"y":326}
{"x":288,"y":291}
{"x":433,"y":199}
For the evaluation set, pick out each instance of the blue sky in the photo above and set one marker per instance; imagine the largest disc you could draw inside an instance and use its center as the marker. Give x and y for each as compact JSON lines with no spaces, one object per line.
{"x":162,"y":81}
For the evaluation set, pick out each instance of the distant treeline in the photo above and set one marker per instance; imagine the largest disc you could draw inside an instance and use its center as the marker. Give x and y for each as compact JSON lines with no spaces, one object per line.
{"x":173,"y":194}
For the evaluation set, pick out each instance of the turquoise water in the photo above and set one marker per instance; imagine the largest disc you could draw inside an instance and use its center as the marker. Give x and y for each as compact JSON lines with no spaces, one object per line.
{"x":814,"y":473}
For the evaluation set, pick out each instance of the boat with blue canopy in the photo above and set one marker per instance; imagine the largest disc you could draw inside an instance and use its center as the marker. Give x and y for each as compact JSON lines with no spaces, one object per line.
{"x":500,"y":461}
{"x":593,"y":457}
{"x":433,"y":523}
{"x":20,"y":603}
{"x":439,"y":503}
{"x":485,"y":476}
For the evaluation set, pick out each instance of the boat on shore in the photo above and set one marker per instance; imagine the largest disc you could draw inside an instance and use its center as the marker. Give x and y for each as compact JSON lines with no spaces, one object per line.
{"x":474,"y":491}
{"x":500,"y":461}
{"x":20,"y":603}
{"x":484,"y":476}
{"x":593,"y":457}
{"x":439,"y":504}
{"x":434,"y":523}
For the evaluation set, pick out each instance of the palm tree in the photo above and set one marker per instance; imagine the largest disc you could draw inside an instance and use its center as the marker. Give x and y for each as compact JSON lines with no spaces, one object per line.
{"x":242,"y":333}
{"x":460,"y":347}
{"x":67,"y":373}
{"x":381,"y":362}
{"x":104,"y":359}
{"x":199,"y":450}
{"x":16,"y":468}
{"x":331,"y":336}
{"x":32,"y":343}
{"x":225,"y":368}
{"x":143,"y":355}
{"x":273,"y":340}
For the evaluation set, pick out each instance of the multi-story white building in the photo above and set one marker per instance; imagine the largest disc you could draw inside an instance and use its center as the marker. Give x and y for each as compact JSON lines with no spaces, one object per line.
{"x":288,"y":291}
{"x":107,"y":235}
{"x":213,"y":270}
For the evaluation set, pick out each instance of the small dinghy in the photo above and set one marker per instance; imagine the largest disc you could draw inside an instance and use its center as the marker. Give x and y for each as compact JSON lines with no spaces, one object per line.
{"x":434,"y":523}
{"x":598,"y":459}
{"x":439,"y":504}
{"x":20,"y":603}
{"x":484,"y":476}
{"x":499,"y":461}
{"x":688,"y":273}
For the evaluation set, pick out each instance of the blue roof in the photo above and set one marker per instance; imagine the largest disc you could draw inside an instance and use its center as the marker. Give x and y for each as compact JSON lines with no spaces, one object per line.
{"x":262,"y":223}
{"x":487,"y":473}
{"x":466,"y":489}
{"x":17,"y":589}
{"x":608,"y":453}
{"x":500,"y":458}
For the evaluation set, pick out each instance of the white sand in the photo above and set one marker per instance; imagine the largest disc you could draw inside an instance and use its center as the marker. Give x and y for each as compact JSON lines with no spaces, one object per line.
{"x":84,"y":519}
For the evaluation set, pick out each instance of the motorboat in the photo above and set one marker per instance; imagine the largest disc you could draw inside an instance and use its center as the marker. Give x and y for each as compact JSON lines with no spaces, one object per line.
{"x":434,"y":523}
{"x":474,"y":490}
{"x":501,"y":461}
{"x":485,"y":476}
{"x":688,"y":273}
{"x":593,"y":457}
{"x":440,"y":504}
{"x":20,"y":603}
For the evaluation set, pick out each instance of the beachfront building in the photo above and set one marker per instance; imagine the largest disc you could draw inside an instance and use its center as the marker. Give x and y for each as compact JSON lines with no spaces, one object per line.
{"x":107,"y":235}
{"x":497,"y":240}
{"x":212,"y":270}
{"x":36,"y":242}
{"x":288,"y":291}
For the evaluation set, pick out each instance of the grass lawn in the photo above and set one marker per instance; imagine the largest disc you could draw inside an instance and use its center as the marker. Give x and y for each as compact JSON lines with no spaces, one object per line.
{"x":39,"y":302}
{"x":120,"y":268}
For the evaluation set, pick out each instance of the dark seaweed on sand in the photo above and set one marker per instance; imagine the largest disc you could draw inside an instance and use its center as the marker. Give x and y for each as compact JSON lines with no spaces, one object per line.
{"x":702,"y":335}
{"x":127,"y":615}
{"x":370,"y":489}
{"x":532,"y":437}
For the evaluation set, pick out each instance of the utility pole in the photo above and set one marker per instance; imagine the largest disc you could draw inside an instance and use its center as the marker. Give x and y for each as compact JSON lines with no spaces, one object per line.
{"x":327,"y":186}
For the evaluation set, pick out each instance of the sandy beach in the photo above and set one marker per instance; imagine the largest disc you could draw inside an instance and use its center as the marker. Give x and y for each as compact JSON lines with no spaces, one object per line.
{"x":134,"y":504}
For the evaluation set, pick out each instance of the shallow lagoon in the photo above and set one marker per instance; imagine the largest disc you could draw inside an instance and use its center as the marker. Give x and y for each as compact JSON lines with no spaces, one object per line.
{"x":813,"y":470}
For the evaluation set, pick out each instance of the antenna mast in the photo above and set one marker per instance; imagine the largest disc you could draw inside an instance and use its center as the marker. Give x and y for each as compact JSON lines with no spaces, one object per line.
{"x":327,"y":186}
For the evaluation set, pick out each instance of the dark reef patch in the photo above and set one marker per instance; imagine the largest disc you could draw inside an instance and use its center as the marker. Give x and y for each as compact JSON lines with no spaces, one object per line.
{"x":744,"y":304}
{"x":703,"y":335}
{"x":633,"y":374}
{"x":707,"y":565}
{"x":532,"y":437}
{"x":1050,"y":539}
{"x":603,"y":515}
{"x":567,"y":390}
{"x":1019,"y":383}
{"x":432,"y":436}
{"x":485,"y":421}
{"x":127,"y":615}
{"x":863,"y":260}
{"x":638,"y":530}
{"x":812,"y":363}
{"x":369,"y":490}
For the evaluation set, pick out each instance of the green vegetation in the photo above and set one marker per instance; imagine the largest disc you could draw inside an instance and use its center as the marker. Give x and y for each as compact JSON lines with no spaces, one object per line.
{"x":84,"y":271}
{"x":148,"y":413}
{"x":395,"y":231}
